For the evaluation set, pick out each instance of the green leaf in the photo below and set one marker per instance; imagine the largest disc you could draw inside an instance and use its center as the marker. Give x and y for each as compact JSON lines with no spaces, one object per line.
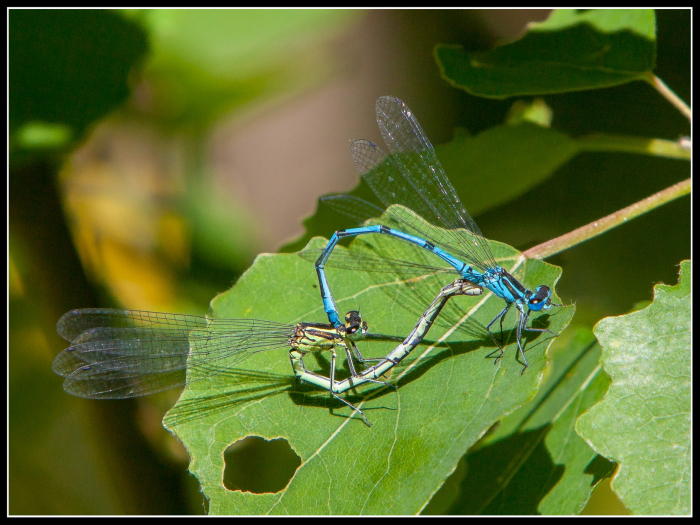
{"x":533,"y":462}
{"x":644,"y":421}
{"x":570,"y":51}
{"x":448,"y":394}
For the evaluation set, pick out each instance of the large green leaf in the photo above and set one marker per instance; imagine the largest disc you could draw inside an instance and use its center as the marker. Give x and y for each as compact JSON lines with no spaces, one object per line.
{"x":644,"y":421}
{"x":570,"y":51}
{"x":448,"y":394}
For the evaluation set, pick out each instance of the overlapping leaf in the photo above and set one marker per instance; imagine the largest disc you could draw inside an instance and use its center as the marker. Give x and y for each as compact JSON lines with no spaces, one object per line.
{"x":570,"y":51}
{"x":644,"y":421}
{"x":534,"y":462}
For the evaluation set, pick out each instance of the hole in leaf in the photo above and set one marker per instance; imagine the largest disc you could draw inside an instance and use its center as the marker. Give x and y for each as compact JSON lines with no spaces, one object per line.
{"x":256,"y":465}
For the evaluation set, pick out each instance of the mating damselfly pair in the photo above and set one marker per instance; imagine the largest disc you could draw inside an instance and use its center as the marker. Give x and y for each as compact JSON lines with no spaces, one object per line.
{"x":117,"y":354}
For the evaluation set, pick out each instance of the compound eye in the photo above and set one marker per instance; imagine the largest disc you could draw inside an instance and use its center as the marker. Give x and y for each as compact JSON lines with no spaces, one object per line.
{"x":540,"y":299}
{"x":543,"y":292}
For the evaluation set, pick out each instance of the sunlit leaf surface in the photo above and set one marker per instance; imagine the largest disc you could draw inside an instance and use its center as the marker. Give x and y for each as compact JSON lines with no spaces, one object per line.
{"x":644,"y":421}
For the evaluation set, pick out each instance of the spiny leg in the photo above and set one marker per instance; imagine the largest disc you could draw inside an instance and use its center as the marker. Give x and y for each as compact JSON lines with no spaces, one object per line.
{"x":501,"y":325}
{"x":333,"y":356}
{"x":523,"y":326}
{"x":362,"y":360}
{"x":522,"y":321}
{"x":348,"y":355}
{"x":533,"y":329}
{"x":488,"y":329}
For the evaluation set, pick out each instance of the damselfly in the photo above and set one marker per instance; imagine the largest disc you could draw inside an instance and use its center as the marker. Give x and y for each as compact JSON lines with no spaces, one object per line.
{"x":411,"y":176}
{"x":117,"y":354}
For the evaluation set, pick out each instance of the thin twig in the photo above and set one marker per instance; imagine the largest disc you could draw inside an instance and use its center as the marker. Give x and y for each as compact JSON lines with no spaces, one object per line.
{"x":669,"y":95}
{"x":593,"y":229}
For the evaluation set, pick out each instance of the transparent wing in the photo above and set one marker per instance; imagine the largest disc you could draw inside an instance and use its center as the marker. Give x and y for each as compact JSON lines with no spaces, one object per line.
{"x":380,"y":254}
{"x":356,"y":209}
{"x":359,"y":211}
{"x":116,"y":354}
{"x":419,"y":164}
{"x":366,"y":261}
{"x":413,"y":177}
{"x":417,"y":291}
{"x":458,"y":242}
{"x":400,"y":218}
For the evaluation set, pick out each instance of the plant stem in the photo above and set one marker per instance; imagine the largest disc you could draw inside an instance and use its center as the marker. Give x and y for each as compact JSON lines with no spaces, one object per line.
{"x":593,"y":229}
{"x":669,"y":95}
{"x":644,"y":146}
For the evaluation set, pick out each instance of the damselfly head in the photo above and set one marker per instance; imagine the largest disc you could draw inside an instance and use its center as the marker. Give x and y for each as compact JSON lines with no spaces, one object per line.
{"x":355,"y":327}
{"x":540,"y":300}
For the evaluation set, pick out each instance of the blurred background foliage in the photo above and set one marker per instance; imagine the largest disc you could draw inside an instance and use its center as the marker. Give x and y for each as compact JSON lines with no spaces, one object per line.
{"x":154,"y":153}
